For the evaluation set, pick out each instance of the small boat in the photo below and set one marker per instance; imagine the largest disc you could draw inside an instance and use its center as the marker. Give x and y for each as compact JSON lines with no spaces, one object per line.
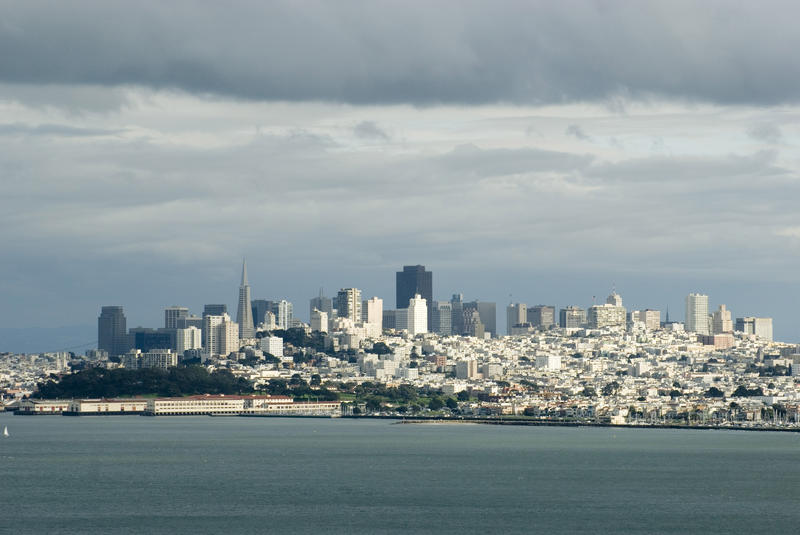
{"x":5,"y":431}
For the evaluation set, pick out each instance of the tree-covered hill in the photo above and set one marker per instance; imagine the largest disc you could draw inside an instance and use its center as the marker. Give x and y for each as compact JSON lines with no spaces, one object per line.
{"x":120,"y":382}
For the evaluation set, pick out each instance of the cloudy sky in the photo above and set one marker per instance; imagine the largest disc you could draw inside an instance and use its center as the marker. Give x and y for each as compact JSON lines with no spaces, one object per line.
{"x":541,"y":152}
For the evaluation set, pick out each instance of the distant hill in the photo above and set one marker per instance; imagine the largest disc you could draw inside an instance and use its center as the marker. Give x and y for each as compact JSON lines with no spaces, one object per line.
{"x":76,"y":338}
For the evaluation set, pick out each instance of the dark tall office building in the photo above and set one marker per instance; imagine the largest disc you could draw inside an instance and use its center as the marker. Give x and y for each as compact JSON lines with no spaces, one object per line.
{"x":112,"y":331}
{"x":487,"y":311}
{"x":321,"y":303}
{"x":414,"y":280}
{"x":260,"y":308}
{"x":457,"y":314}
{"x":148,"y":339}
{"x":215,"y":310}
{"x":542,"y":316}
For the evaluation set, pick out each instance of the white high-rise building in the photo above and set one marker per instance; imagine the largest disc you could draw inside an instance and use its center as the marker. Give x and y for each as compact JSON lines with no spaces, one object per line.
{"x":375,"y":312}
{"x":697,"y":313}
{"x":417,"y":315}
{"x":319,"y":321}
{"x":221,"y":336}
{"x":272,"y":345}
{"x":284,"y":313}
{"x":210,"y":333}
{"x":348,"y":304}
{"x":188,"y":338}
{"x":228,"y":337}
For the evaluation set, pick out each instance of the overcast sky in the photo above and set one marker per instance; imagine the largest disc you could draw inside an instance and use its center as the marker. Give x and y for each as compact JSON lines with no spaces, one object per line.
{"x":541,"y":152}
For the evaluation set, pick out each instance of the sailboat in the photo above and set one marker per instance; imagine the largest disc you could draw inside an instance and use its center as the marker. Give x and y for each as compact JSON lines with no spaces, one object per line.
{"x":5,"y":431}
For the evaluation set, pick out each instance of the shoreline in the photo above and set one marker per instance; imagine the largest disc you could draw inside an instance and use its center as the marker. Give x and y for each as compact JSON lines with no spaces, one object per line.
{"x":541,"y":423}
{"x":444,"y":420}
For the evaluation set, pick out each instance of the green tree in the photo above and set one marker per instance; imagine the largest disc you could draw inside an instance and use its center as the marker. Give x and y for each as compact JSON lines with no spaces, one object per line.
{"x":463,"y":396}
{"x":435,"y":404}
{"x":380,"y":348}
{"x":451,"y":403}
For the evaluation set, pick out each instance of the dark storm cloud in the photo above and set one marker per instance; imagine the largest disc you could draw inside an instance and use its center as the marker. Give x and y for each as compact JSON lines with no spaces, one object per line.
{"x":412,"y":52}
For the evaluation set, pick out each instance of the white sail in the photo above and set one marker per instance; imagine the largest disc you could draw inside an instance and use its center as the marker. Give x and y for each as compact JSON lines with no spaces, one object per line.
{"x":5,"y":431}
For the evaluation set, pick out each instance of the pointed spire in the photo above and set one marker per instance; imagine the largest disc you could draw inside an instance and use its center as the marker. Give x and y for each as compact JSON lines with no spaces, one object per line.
{"x":244,"y":272}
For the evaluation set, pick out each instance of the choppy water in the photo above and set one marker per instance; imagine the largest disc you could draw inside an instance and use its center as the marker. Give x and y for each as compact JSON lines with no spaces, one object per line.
{"x":133,"y":474}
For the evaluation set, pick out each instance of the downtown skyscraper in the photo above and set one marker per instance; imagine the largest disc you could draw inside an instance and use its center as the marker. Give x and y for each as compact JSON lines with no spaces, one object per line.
{"x":697,"y":313}
{"x":244,"y":313}
{"x":112,"y":333}
{"x":414,"y":280}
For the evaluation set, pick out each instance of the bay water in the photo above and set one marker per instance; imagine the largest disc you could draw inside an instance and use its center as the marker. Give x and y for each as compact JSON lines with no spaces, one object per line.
{"x":190,"y":475}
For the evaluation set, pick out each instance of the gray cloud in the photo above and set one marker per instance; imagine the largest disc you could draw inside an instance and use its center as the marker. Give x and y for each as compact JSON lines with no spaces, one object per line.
{"x":577,"y":132}
{"x":61,"y":130}
{"x":370,"y":130}
{"x":420,"y":52}
{"x":767,"y":133}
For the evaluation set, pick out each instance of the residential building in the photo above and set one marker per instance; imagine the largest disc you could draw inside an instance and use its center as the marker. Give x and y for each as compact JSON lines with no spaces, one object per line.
{"x":348,"y":304}
{"x":272,"y":345}
{"x":606,"y":315}
{"x":188,"y":338}
{"x":467,"y":369}
{"x":284,"y":313}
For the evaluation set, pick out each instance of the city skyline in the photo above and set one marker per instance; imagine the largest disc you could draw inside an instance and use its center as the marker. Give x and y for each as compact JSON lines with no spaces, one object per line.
{"x":539,"y":151}
{"x":153,"y":317}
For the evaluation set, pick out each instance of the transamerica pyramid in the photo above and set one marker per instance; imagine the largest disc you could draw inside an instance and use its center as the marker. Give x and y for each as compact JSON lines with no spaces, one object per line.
{"x":244,"y":314}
